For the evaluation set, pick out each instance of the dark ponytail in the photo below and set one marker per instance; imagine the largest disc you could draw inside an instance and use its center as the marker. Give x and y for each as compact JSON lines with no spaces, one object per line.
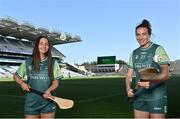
{"x":145,"y":23}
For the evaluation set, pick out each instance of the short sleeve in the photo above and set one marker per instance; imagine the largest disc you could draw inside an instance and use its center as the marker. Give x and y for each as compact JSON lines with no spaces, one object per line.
{"x":130,"y":62}
{"x":162,"y":56}
{"x":21,"y":72}
{"x":57,"y":71}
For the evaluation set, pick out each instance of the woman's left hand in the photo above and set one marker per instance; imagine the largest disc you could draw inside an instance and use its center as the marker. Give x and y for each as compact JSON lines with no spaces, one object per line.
{"x":47,"y":94}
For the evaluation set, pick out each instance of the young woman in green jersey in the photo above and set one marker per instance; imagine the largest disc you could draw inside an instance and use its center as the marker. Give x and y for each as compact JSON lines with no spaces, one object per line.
{"x":151,"y":102}
{"x":43,"y":74}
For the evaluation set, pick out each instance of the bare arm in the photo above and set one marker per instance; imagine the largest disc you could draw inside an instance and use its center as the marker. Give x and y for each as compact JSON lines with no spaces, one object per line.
{"x":53,"y":87}
{"x":163,"y":76}
{"x":23,"y":85}
{"x":128,"y":82}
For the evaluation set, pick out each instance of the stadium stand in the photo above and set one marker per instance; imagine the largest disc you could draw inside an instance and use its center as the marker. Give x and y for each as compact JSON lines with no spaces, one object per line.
{"x":5,"y":73}
{"x":106,"y":70}
{"x":69,"y":73}
{"x":17,"y":41}
{"x":175,"y":68}
{"x":74,"y":68}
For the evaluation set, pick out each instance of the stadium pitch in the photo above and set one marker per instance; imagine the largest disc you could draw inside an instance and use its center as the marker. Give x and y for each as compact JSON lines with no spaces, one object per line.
{"x":97,"y":98}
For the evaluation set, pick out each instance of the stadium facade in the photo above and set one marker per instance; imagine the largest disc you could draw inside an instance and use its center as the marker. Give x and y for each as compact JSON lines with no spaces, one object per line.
{"x":17,"y":42}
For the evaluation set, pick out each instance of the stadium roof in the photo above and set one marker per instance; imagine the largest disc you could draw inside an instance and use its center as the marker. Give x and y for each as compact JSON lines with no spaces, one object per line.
{"x":9,"y":27}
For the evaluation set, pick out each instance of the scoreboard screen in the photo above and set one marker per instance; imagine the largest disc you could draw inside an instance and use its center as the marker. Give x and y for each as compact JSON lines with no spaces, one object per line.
{"x":106,"y":60}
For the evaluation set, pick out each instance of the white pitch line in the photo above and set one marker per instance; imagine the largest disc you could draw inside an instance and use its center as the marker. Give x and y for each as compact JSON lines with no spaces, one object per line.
{"x":97,"y":98}
{"x":85,"y":100}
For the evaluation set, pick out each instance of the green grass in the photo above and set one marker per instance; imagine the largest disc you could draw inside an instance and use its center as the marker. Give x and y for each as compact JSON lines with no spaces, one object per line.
{"x":100,"y":98}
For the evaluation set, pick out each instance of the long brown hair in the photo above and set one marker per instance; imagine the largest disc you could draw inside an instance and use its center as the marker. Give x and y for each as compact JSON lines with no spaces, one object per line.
{"x":36,"y":57}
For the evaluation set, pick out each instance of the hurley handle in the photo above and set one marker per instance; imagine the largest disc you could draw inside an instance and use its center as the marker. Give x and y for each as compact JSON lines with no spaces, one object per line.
{"x":36,"y":91}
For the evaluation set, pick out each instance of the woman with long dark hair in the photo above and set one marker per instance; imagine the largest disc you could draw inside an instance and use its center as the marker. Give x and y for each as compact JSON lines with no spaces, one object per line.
{"x":43,"y":74}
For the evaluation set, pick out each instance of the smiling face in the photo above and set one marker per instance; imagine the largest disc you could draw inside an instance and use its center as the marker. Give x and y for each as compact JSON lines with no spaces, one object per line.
{"x":43,"y":47}
{"x":143,"y":37}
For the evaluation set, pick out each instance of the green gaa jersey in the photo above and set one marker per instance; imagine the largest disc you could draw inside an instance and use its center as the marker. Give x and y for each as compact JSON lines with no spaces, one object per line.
{"x":153,"y":56}
{"x":37,"y":80}
{"x":40,"y":80}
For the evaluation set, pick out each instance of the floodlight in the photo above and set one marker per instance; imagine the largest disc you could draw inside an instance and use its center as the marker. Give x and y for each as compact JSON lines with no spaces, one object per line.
{"x":62,"y":36}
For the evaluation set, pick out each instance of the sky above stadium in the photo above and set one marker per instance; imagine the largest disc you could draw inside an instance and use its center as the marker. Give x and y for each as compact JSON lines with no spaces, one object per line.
{"x":106,"y":27}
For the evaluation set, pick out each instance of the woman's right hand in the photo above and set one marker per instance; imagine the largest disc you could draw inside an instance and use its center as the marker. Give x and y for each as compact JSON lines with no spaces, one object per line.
{"x":130,"y":93}
{"x":25,"y":86}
